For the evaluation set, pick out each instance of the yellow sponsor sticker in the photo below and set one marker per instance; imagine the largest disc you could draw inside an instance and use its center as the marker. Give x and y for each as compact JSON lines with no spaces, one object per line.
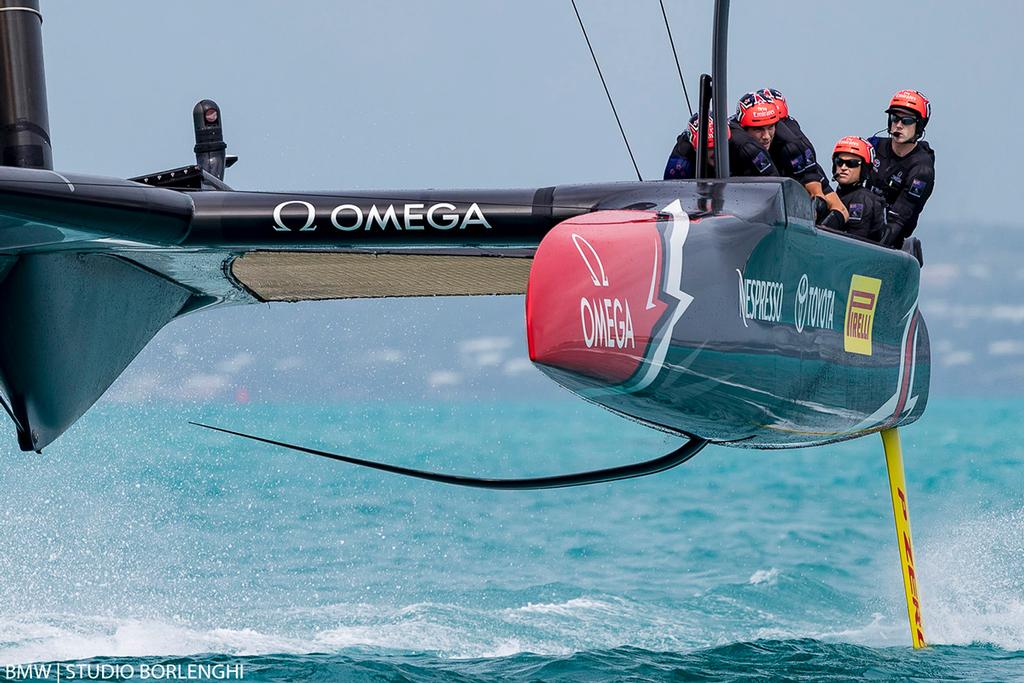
{"x":860,"y":314}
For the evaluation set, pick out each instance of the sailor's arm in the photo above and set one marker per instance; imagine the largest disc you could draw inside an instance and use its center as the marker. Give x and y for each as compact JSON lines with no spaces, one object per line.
{"x":917,"y":188}
{"x":836,"y":204}
{"x":681,"y":161}
{"x":815,"y":182}
{"x":679,"y":168}
{"x":757,"y":161}
{"x":879,"y":227}
{"x":828,"y":195}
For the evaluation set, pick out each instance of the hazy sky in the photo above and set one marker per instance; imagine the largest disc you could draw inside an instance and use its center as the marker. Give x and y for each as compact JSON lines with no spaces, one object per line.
{"x":334,"y":95}
{"x":470,"y":93}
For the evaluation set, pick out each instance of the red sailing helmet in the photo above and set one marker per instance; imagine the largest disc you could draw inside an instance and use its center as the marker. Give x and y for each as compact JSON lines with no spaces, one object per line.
{"x":711,"y":131}
{"x":754,"y":111}
{"x":773,"y":95}
{"x":913,"y":101}
{"x":852,"y":144}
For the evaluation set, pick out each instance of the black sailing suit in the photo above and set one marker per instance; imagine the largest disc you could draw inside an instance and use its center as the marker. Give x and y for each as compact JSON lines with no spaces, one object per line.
{"x":905,"y":183}
{"x":794,"y":155}
{"x":682,"y":162}
{"x":867,"y":212}
{"x":746,"y":157}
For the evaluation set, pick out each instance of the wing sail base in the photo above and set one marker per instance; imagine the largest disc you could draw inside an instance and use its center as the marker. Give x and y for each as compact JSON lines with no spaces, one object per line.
{"x":297,"y":275}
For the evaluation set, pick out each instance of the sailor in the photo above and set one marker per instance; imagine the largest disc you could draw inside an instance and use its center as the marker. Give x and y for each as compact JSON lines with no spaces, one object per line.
{"x":753,"y":128}
{"x":904,"y":168}
{"x":795,"y":158}
{"x":682,"y":163}
{"x":852,"y":159}
{"x":746,"y":156}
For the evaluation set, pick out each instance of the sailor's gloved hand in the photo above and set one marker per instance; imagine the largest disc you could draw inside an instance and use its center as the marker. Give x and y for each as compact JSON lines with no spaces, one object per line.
{"x":890,"y":235}
{"x":820,"y":207}
{"x":893,"y":235}
{"x":833,"y":219}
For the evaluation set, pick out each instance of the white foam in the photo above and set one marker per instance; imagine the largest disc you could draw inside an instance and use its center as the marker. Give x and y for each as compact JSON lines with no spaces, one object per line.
{"x":446,"y":630}
{"x":882,"y":630}
{"x":66,"y":637}
{"x":971,"y":582}
{"x":506,"y":647}
{"x":570,"y":608}
{"x":764,"y":576}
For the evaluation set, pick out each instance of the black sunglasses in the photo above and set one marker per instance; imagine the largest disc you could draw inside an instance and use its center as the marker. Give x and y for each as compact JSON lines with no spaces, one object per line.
{"x":905,"y":120}
{"x":848,"y":163}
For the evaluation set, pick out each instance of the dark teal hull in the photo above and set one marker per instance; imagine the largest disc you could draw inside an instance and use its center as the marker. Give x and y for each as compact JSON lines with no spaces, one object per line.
{"x":788,"y":336}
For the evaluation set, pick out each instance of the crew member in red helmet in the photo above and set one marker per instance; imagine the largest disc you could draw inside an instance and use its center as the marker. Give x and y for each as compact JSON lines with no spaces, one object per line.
{"x":852,"y":160}
{"x":682,"y":163}
{"x":749,"y":140}
{"x":904,"y":169}
{"x":757,"y":118}
{"x":746,"y":157}
{"x":794,"y":156}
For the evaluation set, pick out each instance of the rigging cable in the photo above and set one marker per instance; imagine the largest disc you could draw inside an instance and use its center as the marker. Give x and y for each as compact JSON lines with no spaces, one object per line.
{"x":676,"y":55}
{"x":607,"y":92}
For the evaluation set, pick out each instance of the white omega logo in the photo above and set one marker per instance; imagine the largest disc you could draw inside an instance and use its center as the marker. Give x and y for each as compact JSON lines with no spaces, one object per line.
{"x":310,"y":216}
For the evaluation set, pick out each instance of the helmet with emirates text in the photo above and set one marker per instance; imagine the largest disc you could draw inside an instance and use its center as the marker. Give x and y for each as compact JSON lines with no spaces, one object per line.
{"x":914,"y":103}
{"x":776,"y":96}
{"x":754,"y":111}
{"x":859,"y":147}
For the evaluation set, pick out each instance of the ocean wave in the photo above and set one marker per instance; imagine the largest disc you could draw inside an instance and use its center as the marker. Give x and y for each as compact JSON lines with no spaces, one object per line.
{"x":67,"y":637}
{"x":802,"y":659}
{"x":443,"y":630}
{"x":285,"y":564}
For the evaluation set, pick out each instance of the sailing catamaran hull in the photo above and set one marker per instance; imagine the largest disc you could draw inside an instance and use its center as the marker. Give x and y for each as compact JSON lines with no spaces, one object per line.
{"x":759,"y":331}
{"x":725,"y":342}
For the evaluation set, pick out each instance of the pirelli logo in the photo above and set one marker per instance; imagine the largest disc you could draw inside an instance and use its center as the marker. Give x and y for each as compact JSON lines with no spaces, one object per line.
{"x":860,"y":314}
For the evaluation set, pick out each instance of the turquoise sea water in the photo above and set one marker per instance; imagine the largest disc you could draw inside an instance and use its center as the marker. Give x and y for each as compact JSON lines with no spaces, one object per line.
{"x":138,"y":540}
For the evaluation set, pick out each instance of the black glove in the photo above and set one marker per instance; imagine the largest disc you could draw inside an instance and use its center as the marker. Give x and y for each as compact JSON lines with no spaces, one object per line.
{"x":833,"y":219}
{"x":892,"y":236}
{"x":820,"y":208}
